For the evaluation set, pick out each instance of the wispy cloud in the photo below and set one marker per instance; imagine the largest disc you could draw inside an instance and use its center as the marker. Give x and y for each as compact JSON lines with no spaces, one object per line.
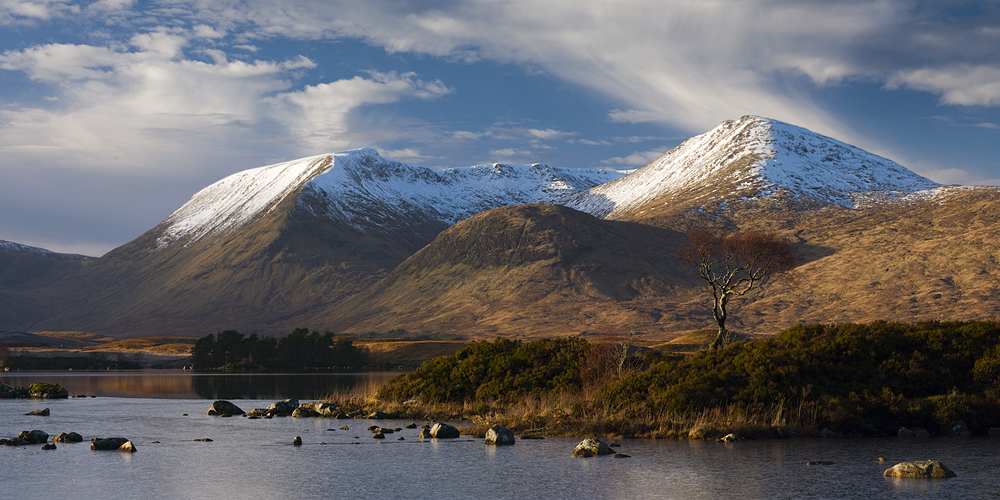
{"x":637,"y":159}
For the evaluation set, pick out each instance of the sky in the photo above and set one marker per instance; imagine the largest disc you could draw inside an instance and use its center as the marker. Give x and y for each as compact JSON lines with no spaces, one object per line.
{"x":113,"y":113}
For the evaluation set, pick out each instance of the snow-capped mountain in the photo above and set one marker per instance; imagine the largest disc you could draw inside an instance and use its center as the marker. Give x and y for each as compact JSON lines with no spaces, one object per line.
{"x":364,"y":190}
{"x":756,"y":157}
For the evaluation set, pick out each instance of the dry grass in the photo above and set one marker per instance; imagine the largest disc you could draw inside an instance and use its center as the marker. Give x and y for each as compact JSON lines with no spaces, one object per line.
{"x":564,"y":414}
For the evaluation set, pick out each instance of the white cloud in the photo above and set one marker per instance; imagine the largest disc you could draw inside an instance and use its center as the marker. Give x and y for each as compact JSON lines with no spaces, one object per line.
{"x":509,"y":152}
{"x":962,"y":84}
{"x":637,"y":159}
{"x":634,"y":116}
{"x":550,"y":134}
{"x":14,"y":11}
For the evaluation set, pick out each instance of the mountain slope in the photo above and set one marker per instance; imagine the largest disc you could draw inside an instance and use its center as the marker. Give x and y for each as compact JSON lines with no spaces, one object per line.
{"x":531,"y":270}
{"x":24,"y":269}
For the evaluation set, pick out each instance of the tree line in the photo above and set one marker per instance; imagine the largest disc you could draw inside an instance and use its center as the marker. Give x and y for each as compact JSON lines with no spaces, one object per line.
{"x":301,"y":349}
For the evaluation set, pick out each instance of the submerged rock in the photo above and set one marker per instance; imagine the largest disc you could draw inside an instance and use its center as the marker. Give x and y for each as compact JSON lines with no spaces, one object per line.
{"x":590,"y":447}
{"x":49,"y":446}
{"x":42,"y":412}
{"x":499,"y":435}
{"x":928,"y":469}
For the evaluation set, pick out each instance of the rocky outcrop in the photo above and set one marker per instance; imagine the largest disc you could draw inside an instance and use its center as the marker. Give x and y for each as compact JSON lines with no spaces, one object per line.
{"x":499,"y":435}
{"x":41,"y":412}
{"x":224,"y":408}
{"x":443,"y":431}
{"x":923,"y":469}
{"x":590,"y":447}
{"x":111,"y":443}
{"x":912,"y":432}
{"x":68,"y":437}
{"x":50,"y":391}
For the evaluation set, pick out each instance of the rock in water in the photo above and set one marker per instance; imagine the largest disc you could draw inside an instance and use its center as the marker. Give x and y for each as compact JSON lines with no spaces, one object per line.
{"x":41,"y":412}
{"x":297,"y":441}
{"x":425,"y":434}
{"x":111,"y":443}
{"x":499,"y":435}
{"x":284,"y":407}
{"x":590,"y":447}
{"x":33,"y":437}
{"x":68,"y":437}
{"x":912,"y":432}
{"x":930,"y":469}
{"x":731,"y":438}
{"x":443,"y":431}
{"x":127,"y":447}
{"x":222,"y":407}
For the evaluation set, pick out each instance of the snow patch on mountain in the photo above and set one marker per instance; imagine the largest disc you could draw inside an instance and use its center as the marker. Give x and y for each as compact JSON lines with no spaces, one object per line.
{"x":11,"y":247}
{"x":365,"y":190}
{"x":756,"y":157}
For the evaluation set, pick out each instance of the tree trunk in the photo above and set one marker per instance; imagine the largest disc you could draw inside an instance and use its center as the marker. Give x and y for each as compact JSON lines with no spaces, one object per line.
{"x":719,"y":311}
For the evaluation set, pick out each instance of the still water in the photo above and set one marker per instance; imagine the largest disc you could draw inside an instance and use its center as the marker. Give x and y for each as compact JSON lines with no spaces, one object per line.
{"x":255,"y":459}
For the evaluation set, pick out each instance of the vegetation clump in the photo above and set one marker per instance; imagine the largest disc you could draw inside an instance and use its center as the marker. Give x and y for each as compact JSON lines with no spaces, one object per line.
{"x":299,"y":350}
{"x":853,"y":379}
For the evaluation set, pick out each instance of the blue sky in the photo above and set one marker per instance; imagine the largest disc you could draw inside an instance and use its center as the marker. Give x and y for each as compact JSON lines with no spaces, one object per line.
{"x":113,"y":113}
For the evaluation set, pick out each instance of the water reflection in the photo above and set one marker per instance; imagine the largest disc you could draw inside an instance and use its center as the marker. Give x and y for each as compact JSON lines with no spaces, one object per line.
{"x":184,"y":384}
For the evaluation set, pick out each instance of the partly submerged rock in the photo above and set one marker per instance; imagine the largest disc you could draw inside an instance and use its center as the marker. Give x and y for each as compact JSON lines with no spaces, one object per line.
{"x":912,"y":432}
{"x":590,"y":447}
{"x":284,"y":407}
{"x":499,"y":435}
{"x":127,"y":447}
{"x":49,"y":446}
{"x":33,"y":437}
{"x":730,"y":438}
{"x":444,"y":431}
{"x":224,"y":408}
{"x":303,"y":411}
{"x":425,"y":434}
{"x":68,"y":437}
{"x":297,"y":441}
{"x":929,"y":469}
{"x":111,"y":443}
{"x":42,"y":412}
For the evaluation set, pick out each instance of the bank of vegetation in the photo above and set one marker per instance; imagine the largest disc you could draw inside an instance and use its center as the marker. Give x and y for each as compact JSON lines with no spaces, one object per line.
{"x":300,"y":350}
{"x":851,"y":379}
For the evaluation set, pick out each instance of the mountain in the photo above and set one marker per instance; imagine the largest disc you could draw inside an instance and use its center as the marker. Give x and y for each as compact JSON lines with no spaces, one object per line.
{"x":354,"y":242}
{"x":25,"y":268}
{"x":263,"y":246}
{"x":753,"y":161}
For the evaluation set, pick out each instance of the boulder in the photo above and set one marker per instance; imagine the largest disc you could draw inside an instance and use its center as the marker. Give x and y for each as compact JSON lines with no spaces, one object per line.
{"x":50,"y":391}
{"x":68,"y":437}
{"x":303,"y":411}
{"x":959,"y":428}
{"x":380,"y":415}
{"x":297,"y":441}
{"x":257,"y":412}
{"x":425,"y":434}
{"x":127,"y":447}
{"x":48,"y":446}
{"x":111,"y":443}
{"x":912,"y":432}
{"x":284,"y":407}
{"x":33,"y":437}
{"x":411,"y":425}
{"x":499,"y":435}
{"x":326,"y":409}
{"x":930,"y":469}
{"x":224,"y":408}
{"x":443,"y":431}
{"x":590,"y":447}
{"x":379,"y":434}
{"x":41,"y":412}
{"x":730,"y":438}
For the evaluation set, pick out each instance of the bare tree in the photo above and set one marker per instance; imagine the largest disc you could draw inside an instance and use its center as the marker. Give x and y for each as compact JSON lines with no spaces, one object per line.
{"x":733,"y":264}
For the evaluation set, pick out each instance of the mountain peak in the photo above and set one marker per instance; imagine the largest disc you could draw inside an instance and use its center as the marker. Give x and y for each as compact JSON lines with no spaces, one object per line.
{"x":756,"y":157}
